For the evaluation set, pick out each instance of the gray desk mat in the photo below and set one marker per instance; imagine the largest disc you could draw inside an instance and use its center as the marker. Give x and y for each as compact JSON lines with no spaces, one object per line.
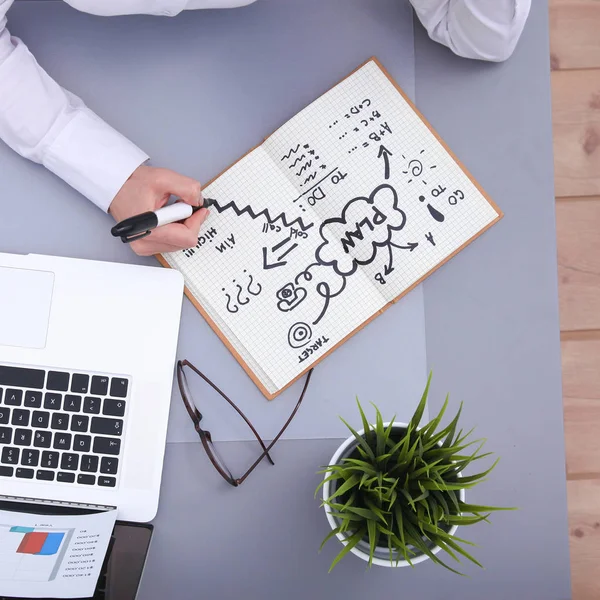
{"x":493,"y":341}
{"x":196,"y":92}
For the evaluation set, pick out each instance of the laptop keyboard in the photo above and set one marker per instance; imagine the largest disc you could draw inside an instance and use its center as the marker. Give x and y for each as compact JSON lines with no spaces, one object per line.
{"x":61,"y":426}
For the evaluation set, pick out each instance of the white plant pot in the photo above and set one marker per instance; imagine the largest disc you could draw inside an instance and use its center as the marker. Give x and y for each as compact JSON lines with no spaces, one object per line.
{"x":382,"y":554}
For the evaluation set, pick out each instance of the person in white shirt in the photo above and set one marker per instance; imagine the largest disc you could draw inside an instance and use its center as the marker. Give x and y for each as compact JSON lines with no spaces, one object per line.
{"x":49,"y":125}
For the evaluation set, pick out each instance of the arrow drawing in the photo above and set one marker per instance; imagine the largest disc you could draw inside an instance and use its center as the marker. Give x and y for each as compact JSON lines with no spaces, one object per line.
{"x":279,"y":262}
{"x":410,"y":246}
{"x":388,"y":268}
{"x":383,"y":151}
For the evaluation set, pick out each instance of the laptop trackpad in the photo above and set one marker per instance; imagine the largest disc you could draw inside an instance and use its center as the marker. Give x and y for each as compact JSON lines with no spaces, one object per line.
{"x":25,"y":299}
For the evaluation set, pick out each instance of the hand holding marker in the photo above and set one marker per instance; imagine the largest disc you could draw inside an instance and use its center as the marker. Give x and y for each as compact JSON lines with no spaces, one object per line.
{"x":139,"y":226}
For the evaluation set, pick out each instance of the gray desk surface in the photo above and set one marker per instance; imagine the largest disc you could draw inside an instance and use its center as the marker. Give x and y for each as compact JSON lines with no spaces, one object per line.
{"x":492,"y":338}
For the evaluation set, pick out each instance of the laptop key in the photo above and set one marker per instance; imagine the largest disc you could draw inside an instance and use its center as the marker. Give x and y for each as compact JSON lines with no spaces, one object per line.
{"x":79,"y":423}
{"x":86,"y":479}
{"x":40,"y":419}
{"x":109,"y":465}
{"x":99,"y":385}
{"x":27,"y":378}
{"x":6,"y":471}
{"x":20,"y":416}
{"x":69,"y":461}
{"x":10,"y":456}
{"x":24,"y":473}
{"x":89,"y":463}
{"x":42,"y":439}
{"x":44,"y":475}
{"x":60,"y":421}
{"x":72,"y":403}
{"x":22,"y":437}
{"x":13,"y":397}
{"x":4,"y":415}
{"x":104,"y":445}
{"x":62,"y":441}
{"x":106,"y":426}
{"x":82,"y":443}
{"x":92,"y":405}
{"x":65,"y":477}
{"x":52,"y":401}
{"x":49,"y":459}
{"x":107,"y":481}
{"x":57,"y":381}
{"x":118,"y":387}
{"x":5,"y":435}
{"x":113,"y":408}
{"x":80,"y":383}
{"x":33,"y":399}
{"x":30,"y":457}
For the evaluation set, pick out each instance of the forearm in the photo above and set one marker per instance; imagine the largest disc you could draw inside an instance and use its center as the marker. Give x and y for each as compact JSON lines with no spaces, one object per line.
{"x":480,"y":29}
{"x":51,"y":126}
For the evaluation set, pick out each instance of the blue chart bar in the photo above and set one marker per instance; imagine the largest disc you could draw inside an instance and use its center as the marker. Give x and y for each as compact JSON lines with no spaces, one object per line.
{"x":52,"y":544}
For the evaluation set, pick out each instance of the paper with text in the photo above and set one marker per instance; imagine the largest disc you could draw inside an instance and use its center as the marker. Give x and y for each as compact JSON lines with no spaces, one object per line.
{"x":57,"y":556}
{"x":334,"y":216}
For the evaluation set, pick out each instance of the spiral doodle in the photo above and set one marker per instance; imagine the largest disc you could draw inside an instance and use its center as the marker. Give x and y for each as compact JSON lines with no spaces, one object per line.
{"x":299,"y":335}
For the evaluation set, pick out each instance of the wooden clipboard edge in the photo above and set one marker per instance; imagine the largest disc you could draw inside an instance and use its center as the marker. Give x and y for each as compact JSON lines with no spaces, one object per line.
{"x":222,"y":336}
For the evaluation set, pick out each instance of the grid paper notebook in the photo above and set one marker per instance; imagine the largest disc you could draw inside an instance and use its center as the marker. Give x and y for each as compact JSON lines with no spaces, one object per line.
{"x":335,"y":216}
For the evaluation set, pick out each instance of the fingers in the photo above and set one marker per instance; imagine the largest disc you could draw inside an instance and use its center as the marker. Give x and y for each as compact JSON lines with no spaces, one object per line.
{"x":188,"y":189}
{"x":173,"y":237}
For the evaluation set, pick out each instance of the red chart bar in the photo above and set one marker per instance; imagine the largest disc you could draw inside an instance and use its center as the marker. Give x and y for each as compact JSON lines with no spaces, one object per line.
{"x":32,"y":542}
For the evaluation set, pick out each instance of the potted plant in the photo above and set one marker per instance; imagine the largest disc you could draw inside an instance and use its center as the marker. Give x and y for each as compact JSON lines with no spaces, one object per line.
{"x":394,"y":493}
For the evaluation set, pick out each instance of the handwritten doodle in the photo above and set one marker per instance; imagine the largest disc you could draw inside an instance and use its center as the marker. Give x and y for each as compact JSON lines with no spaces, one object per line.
{"x":267,"y":227}
{"x":279,"y":262}
{"x":316,"y":345}
{"x":263,"y":213}
{"x":309,"y":178}
{"x":226,"y":244}
{"x":242,"y":295}
{"x":436,"y":214}
{"x":257,"y":287}
{"x":304,"y":167}
{"x":290,"y":296}
{"x":385,"y":153}
{"x":299,"y":159}
{"x":429,"y":238}
{"x":415,"y":167}
{"x":365,"y":225}
{"x":455,"y":197}
{"x":299,"y":335}
{"x":206,"y":237}
{"x":292,"y":151}
{"x":337,"y":177}
{"x":316,"y":195}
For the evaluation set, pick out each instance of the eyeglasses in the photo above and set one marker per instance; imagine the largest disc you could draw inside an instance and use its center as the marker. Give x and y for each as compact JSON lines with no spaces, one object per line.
{"x":205,"y":436}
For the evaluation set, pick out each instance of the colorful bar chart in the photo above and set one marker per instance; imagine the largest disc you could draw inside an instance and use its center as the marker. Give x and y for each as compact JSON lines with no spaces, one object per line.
{"x":40,"y":542}
{"x":31,"y":554}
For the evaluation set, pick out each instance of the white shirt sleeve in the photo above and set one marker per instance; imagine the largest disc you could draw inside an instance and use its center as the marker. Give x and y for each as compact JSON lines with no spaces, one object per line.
{"x":481,"y":29}
{"x":51,"y":126}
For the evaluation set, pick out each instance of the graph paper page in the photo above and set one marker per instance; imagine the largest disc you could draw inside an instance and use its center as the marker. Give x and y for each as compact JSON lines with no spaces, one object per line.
{"x":337,"y":213}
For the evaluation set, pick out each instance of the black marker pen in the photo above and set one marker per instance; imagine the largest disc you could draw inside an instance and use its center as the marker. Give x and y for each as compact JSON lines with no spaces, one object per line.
{"x":135,"y":228}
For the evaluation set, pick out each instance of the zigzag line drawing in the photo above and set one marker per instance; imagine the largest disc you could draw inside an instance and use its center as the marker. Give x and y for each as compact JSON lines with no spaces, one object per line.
{"x":286,"y":156}
{"x":297,"y":161}
{"x":311,"y":177}
{"x":263,"y":213}
{"x":304,"y":168}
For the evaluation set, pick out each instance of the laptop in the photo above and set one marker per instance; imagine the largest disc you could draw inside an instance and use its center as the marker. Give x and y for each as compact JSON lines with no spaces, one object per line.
{"x":87,"y":353}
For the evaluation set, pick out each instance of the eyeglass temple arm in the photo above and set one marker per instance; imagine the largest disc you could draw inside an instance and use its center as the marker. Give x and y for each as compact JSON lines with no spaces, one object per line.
{"x":186,"y":363}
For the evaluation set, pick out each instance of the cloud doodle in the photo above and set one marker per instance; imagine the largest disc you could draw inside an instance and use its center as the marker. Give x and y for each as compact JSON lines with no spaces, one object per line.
{"x":365,"y":225}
